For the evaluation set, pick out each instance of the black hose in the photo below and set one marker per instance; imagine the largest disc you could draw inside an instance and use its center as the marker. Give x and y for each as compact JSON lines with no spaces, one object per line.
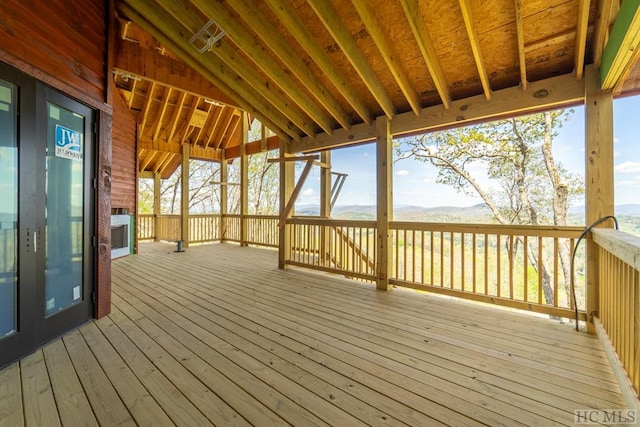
{"x":573,"y":258}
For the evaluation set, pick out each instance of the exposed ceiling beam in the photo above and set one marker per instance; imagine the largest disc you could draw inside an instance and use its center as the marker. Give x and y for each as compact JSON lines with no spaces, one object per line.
{"x":187,"y":123}
{"x":216,"y":120}
{"x":561,"y":91}
{"x":151,"y":65}
{"x":621,"y":51}
{"x":384,"y":45}
{"x":161,"y":148}
{"x":226,"y":81}
{"x":288,"y":18}
{"x":177,"y":112}
{"x":147,"y":106}
{"x":279,"y":46}
{"x":521,"y":54}
{"x":416,"y":22}
{"x":224,"y":56}
{"x":147,"y":159}
{"x":327,"y":14}
{"x":157,"y":126}
{"x":607,"y":10}
{"x":254,"y":50}
{"x":204,"y":124}
{"x":581,"y":36}
{"x":465,"y":6}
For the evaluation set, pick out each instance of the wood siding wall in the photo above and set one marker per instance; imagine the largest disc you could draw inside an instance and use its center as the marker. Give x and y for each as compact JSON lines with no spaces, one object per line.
{"x":123,"y":170}
{"x":63,"y":43}
{"x":62,"y":39}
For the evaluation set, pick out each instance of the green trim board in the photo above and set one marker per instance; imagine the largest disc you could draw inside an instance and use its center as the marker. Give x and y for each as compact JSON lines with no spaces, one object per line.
{"x":623,"y":42}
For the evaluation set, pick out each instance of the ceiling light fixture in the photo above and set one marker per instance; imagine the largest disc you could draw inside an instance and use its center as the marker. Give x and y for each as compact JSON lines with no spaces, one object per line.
{"x":204,"y":39}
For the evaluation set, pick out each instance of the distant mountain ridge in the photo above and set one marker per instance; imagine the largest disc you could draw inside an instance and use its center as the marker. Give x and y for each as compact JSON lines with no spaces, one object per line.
{"x":440,"y":213}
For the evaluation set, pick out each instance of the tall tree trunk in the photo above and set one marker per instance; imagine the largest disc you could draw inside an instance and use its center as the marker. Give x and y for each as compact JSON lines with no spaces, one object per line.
{"x":560,"y":199}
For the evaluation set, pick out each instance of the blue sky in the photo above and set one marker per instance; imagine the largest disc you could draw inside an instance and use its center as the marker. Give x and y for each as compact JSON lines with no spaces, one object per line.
{"x":414,"y":182}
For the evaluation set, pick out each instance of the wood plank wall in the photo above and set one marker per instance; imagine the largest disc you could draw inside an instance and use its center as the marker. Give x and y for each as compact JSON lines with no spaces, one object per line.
{"x":63,"y":43}
{"x":123,"y":170}
{"x":63,"y":39}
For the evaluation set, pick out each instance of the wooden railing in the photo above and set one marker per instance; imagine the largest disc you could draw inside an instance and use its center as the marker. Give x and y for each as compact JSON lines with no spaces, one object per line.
{"x":522,"y":267}
{"x":168,"y":227}
{"x":146,"y":227}
{"x":343,"y":247}
{"x":618,"y":317}
{"x":204,"y":228}
{"x":515,"y":266}
{"x":262,"y":230}
{"x":232,"y":228}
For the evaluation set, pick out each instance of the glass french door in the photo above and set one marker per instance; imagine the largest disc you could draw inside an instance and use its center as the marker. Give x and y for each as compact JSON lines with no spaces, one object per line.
{"x":46,"y":214}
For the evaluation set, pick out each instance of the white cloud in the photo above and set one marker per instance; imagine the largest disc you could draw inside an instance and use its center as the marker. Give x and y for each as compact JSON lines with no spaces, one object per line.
{"x":429,"y":181}
{"x":627,"y":167}
{"x":402,"y":172}
{"x":616,"y":140}
{"x":308,"y":192}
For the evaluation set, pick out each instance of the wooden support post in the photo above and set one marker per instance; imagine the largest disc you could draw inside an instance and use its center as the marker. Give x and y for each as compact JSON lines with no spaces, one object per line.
{"x":325,"y":185}
{"x":244,"y":178}
{"x":325,"y":205}
{"x":287,"y":179}
{"x":157,"y":180}
{"x":223,"y":197}
{"x":184,"y":194}
{"x":384,"y":205}
{"x":599,"y":176}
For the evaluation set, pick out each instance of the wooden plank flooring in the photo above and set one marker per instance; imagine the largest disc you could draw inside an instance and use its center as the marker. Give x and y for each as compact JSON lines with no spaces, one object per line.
{"x":218,"y":335}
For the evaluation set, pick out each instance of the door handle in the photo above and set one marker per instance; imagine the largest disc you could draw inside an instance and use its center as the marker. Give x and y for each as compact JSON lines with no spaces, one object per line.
{"x":35,"y":241}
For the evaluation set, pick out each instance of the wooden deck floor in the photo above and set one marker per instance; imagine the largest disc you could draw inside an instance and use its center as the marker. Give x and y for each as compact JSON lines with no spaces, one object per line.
{"x":218,"y":335}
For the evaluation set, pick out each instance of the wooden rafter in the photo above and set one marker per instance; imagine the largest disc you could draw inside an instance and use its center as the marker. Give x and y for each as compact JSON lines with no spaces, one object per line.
{"x":177,"y":112}
{"x":227,"y":62}
{"x":201,"y":128}
{"x":581,"y":36}
{"x":521,"y":52}
{"x":214,"y":125}
{"x":292,"y":23}
{"x":147,"y":160}
{"x":270,"y":36}
{"x":607,"y":10}
{"x":246,"y":42}
{"x":231,"y":128}
{"x":219,"y":132}
{"x":384,"y":45}
{"x":228,"y":82}
{"x":467,"y":15}
{"x":187,"y":123}
{"x":133,"y":92}
{"x":157,"y":126}
{"x":416,"y":22}
{"x":160,"y":163}
{"x":327,"y":14}
{"x":147,"y":106}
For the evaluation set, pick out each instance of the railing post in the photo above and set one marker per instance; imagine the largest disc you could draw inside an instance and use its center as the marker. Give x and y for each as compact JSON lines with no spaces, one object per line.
{"x":598,"y":174}
{"x":287,"y":183}
{"x":244,"y":179}
{"x":156,"y":205}
{"x":384,"y":205}
{"x":184,"y":194}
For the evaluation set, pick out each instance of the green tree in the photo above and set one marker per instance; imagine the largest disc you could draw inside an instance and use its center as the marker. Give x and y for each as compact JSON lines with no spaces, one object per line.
{"x":517,"y":154}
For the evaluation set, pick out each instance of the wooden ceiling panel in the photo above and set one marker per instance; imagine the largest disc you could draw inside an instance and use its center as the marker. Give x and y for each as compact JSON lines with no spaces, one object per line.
{"x":324,"y":70}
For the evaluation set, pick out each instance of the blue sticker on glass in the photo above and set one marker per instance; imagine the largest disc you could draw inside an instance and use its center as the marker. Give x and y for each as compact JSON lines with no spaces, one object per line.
{"x":68,"y":143}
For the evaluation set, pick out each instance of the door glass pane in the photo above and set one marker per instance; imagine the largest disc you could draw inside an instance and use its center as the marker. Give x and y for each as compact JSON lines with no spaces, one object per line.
{"x":64,"y":209}
{"x":8,"y":209}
